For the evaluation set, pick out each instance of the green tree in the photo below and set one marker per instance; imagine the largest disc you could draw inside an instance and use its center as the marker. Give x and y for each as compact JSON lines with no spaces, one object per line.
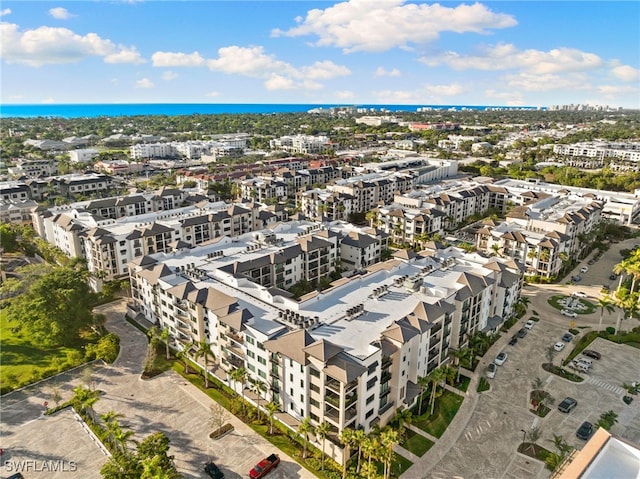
{"x":321,"y":432}
{"x":204,"y":352}
{"x":84,"y":399}
{"x":304,"y":429}
{"x":404,"y":418}
{"x":346,"y":438}
{"x":605,"y":303}
{"x":239,"y":375}
{"x":272,"y":408}
{"x":258,"y":388}
{"x":164,"y":337}
{"x":423,"y":383}
{"x":607,"y":420}
{"x":388,"y":440}
{"x":435,"y":379}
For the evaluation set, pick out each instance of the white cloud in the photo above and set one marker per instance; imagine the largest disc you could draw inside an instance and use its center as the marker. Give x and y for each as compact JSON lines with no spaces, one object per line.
{"x":125,"y":55}
{"x":615,"y":90}
{"x":60,"y":13}
{"x":5,"y":11}
{"x":213,"y":94}
{"x":423,"y":95}
{"x":381,"y":72}
{"x":508,"y":57}
{"x":254,"y":62}
{"x":249,"y":61}
{"x":169,"y":75}
{"x":547,"y":82}
{"x":144,"y":83}
{"x":170,"y":59}
{"x":344,"y":95}
{"x":626,"y":73}
{"x":48,"y":101}
{"x":365,"y":25}
{"x":46,"y":45}
{"x":508,"y":98}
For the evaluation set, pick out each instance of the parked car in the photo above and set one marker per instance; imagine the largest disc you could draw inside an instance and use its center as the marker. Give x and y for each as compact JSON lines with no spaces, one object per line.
{"x":558,"y":346}
{"x":579,"y":294}
{"x":584,"y":269}
{"x":576,"y":279}
{"x":513,"y":340}
{"x":529,"y":324}
{"x":491,"y":370}
{"x":264,"y":467}
{"x":522,"y":333}
{"x":500,"y":358}
{"x":567,"y":404}
{"x":213,"y":471}
{"x":592,"y":354}
{"x":567,"y":337}
{"x":613,"y":276}
{"x":578,"y":366}
{"x":591,"y":261}
{"x":585,"y":430}
{"x":586,"y":361}
{"x":568,"y":312}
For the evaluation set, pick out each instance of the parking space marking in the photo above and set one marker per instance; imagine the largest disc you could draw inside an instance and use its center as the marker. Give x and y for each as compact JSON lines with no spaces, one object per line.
{"x":605,"y":385}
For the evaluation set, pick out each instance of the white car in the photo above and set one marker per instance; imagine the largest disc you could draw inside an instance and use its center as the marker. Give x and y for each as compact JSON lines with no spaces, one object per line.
{"x":500,"y":359}
{"x":559,"y":346}
{"x":491,"y":370}
{"x":571,"y":314}
{"x":529,"y":324}
{"x":579,"y":294}
{"x":584,"y":269}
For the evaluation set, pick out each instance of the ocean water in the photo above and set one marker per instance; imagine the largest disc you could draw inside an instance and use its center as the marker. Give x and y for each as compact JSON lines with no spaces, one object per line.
{"x":173,"y":109}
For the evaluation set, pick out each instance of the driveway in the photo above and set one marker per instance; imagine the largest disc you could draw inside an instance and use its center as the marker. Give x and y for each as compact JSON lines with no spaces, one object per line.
{"x":166,"y":403}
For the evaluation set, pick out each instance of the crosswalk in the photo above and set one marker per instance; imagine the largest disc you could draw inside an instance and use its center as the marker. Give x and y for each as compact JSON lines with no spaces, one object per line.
{"x":605,"y":385}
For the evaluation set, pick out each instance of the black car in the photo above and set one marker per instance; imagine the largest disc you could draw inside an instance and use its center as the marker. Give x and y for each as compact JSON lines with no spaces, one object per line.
{"x":522,"y":333}
{"x":576,"y":278}
{"x":513,"y":340}
{"x":613,"y":276}
{"x":213,"y":471}
{"x":584,"y":431}
{"x":567,"y":404}
{"x":592,"y":354}
{"x":567,"y":337}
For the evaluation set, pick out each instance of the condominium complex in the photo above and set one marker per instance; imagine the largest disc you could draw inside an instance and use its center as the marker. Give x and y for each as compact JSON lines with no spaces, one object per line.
{"x":110,"y":233}
{"x":619,"y":156}
{"x":351,"y":354}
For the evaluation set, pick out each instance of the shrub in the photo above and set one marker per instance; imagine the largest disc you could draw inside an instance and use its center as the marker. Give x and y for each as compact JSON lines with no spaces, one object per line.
{"x":610,"y":330}
{"x":221,"y":432}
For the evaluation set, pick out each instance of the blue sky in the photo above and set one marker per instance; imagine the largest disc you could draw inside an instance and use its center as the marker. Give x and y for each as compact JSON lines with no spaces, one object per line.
{"x":354,"y":52}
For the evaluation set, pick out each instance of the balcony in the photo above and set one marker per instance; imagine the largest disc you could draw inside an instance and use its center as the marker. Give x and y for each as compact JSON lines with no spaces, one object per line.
{"x":334,"y":385}
{"x":235,"y":350}
{"x":385,"y":376}
{"x":235,"y":362}
{"x":333,"y":400}
{"x":236,"y":337}
{"x":351,"y":386}
{"x":333,"y":415}
{"x":350,"y":400}
{"x":274,"y":373}
{"x":350,"y":413}
{"x":386,"y":362}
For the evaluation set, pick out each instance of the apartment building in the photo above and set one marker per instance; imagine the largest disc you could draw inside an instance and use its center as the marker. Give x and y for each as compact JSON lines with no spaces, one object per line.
{"x":350,"y":355}
{"x":33,"y":168}
{"x":543,"y":233}
{"x":320,"y":204}
{"x":620,"y":156}
{"x":17,"y":212}
{"x":619,"y":207}
{"x":302,"y":144}
{"x":359,"y":247}
{"x":135,"y":229}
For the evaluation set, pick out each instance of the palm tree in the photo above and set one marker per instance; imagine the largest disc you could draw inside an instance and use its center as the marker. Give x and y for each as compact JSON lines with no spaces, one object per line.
{"x":388,"y":439}
{"x":534,"y":434}
{"x":322,"y":430}
{"x":182,"y":356}
{"x":458,"y":356}
{"x":258,"y":387}
{"x":423,"y":383}
{"x":164,"y":336}
{"x":272,"y":408}
{"x":110,"y":420}
{"x":605,"y":303}
{"x":204,"y":351}
{"x":304,"y":429}
{"x":239,"y":375}
{"x":84,"y":399}
{"x":404,"y":417}
{"x":359,"y":438}
{"x":346,"y":438}
{"x":435,"y":378}
{"x":449,"y":373}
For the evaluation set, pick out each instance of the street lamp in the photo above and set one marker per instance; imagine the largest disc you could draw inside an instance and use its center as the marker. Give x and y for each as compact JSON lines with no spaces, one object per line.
{"x":524,"y":435}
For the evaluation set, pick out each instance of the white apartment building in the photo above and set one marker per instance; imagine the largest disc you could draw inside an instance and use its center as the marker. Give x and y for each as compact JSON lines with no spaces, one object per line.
{"x":33,"y":168}
{"x":145,"y":151}
{"x":620,"y":156}
{"x":302,"y":144}
{"x":350,"y":355}
{"x":141,"y":225}
{"x":17,"y":212}
{"x":83,"y":155}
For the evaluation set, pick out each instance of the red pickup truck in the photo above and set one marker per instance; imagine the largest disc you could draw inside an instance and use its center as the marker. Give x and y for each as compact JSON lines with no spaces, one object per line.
{"x":264,"y":467}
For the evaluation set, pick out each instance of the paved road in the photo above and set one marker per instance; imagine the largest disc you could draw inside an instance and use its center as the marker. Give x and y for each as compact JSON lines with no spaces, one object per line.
{"x":166,"y":403}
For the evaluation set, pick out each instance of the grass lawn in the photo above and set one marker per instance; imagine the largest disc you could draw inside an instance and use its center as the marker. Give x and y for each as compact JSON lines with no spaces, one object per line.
{"x":416,"y":443}
{"x":555,"y":302}
{"x":398,"y":466}
{"x":446,"y":408}
{"x":24,"y":361}
{"x":463,"y":385}
{"x":483,"y":385}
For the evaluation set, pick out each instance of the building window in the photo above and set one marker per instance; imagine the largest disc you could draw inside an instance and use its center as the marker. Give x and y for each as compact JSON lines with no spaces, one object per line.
{"x":372,"y":368}
{"x":290,"y":377}
{"x":371,"y":383}
{"x":369,"y":414}
{"x":370,"y":399}
{"x":314,"y":403}
{"x":314,"y":372}
{"x":314,"y":388}
{"x":250,"y":340}
{"x":302,"y":383}
{"x":262,"y":374}
{"x":262,"y":361}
